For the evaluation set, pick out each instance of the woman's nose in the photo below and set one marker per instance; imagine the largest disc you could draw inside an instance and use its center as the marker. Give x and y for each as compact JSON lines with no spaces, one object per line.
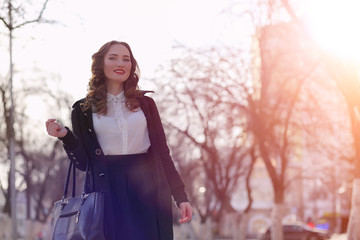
{"x":120,"y":63}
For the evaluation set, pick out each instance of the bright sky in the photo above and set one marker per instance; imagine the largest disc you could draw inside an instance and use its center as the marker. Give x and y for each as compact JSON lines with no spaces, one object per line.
{"x":335,"y":25}
{"x":150,"y":27}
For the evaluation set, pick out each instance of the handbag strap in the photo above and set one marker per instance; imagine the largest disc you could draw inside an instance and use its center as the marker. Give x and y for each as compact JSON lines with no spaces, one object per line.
{"x":91,"y":185}
{"x":74,"y":181}
{"x":67,"y":181}
{"x":66,"y":187}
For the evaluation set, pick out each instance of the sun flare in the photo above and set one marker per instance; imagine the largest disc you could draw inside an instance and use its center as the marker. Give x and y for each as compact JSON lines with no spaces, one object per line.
{"x":335,"y":26}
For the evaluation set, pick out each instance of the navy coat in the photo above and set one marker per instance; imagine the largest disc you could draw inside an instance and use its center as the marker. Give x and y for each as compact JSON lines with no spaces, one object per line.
{"x":81,"y":145}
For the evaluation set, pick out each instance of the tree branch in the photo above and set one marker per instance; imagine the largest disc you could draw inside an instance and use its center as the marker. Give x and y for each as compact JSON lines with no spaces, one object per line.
{"x":38,"y":19}
{"x":6,"y":24}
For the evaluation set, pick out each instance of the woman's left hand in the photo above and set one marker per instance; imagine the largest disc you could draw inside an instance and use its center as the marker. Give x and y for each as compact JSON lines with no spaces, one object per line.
{"x":186,"y":212}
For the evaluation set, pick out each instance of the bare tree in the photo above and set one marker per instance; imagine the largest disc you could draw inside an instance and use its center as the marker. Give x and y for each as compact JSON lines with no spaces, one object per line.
{"x":347,"y":79}
{"x":201,"y":97}
{"x":11,"y":23}
{"x":346,"y":76}
{"x":286,"y":63}
{"x":41,"y":160}
{"x":274,"y":105}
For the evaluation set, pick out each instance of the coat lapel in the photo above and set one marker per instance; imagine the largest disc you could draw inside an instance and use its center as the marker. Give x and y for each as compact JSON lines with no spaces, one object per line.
{"x":88,"y":119}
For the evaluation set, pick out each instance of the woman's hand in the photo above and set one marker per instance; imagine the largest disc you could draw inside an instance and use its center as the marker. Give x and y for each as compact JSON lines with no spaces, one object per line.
{"x":186,"y":212}
{"x":55,"y":129}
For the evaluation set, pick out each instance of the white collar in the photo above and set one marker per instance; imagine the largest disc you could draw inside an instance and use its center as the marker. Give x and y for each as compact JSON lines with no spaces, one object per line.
{"x":120,"y":97}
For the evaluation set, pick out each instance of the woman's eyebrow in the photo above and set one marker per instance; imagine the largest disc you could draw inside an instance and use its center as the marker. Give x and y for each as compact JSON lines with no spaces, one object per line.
{"x":114,"y":54}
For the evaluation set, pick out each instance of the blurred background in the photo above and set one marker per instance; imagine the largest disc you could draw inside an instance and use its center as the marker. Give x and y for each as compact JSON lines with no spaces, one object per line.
{"x":259,"y":100}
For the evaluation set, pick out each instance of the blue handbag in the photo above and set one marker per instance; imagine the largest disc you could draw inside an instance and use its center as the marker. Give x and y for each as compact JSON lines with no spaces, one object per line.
{"x":79,"y":218}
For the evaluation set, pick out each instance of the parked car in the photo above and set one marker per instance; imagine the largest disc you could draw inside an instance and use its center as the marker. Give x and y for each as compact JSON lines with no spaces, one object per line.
{"x":296,"y":231}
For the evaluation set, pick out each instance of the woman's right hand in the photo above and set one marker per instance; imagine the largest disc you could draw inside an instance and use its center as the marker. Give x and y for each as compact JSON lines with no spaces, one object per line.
{"x":55,"y":129}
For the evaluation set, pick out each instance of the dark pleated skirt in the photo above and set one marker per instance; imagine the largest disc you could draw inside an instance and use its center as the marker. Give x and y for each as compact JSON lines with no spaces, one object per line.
{"x":130,"y":206}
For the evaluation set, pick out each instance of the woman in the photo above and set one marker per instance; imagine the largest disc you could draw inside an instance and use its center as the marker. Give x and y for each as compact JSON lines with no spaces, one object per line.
{"x":118,"y":129}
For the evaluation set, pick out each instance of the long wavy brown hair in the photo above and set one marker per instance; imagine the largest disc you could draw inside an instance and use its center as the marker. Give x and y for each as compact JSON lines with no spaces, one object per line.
{"x":96,"y":95}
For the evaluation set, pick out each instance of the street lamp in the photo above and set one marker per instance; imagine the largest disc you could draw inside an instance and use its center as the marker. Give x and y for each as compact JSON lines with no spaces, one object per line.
{"x":202,"y":190}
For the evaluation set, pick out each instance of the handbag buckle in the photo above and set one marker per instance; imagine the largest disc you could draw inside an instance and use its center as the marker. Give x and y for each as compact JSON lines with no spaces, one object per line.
{"x":84,"y":197}
{"x":63,"y":202}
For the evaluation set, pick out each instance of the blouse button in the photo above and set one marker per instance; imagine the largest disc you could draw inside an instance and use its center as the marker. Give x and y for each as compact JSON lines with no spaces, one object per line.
{"x":89,"y":130}
{"x":97,"y":151}
{"x":101,"y":174}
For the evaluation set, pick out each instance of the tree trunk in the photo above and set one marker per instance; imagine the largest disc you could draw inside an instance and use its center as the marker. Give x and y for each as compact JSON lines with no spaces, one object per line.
{"x":28,"y":198}
{"x":276,"y":222}
{"x":353,"y":230}
{"x":228,"y":224}
{"x":242,"y":230}
{"x":206,"y":230}
{"x":33,"y":229}
{"x":5,"y":223}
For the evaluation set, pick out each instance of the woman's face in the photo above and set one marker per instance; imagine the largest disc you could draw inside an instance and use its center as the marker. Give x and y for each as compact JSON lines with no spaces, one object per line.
{"x":117,"y":64}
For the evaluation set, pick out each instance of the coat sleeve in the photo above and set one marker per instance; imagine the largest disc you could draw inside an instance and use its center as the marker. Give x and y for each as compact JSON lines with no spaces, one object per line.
{"x":73,"y":141}
{"x":177,"y":187}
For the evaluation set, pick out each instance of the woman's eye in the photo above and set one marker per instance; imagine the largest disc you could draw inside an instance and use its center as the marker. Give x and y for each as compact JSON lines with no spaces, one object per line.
{"x":112,"y":58}
{"x":127,"y":60}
